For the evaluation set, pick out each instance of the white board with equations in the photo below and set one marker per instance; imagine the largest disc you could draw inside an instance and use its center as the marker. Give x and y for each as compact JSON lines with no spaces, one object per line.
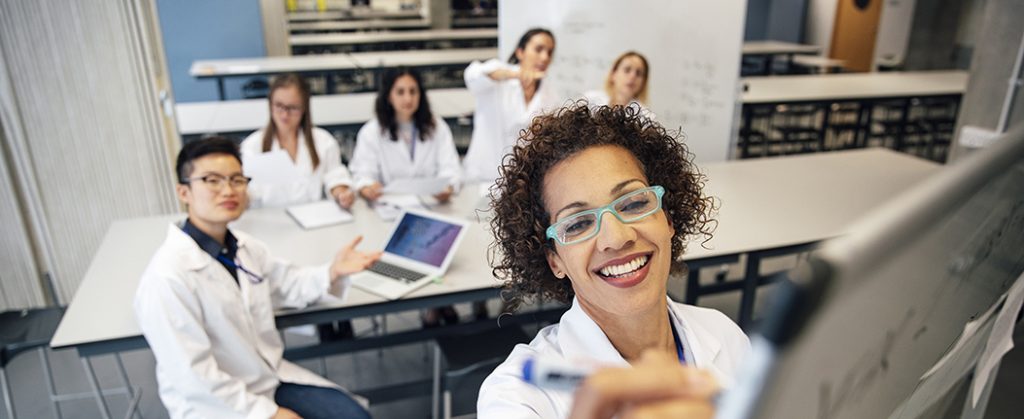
{"x":693,"y":48}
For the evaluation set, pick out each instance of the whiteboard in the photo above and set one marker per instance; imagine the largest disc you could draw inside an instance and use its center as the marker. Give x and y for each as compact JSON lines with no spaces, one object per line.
{"x":904,"y":322}
{"x":692,"y":46}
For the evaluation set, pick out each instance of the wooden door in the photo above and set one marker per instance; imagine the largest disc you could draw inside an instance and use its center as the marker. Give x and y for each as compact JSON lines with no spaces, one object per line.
{"x":854,"y":32}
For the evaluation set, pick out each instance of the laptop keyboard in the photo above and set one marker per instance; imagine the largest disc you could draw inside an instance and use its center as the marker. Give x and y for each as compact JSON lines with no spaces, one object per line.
{"x":397,"y":272}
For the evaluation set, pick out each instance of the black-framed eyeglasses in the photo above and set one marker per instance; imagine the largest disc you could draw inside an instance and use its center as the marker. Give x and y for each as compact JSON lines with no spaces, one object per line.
{"x":216,"y":182}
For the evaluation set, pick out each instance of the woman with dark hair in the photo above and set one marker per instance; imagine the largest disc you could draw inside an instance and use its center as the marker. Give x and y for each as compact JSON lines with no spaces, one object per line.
{"x":314,"y":153}
{"x":405,"y":141}
{"x":594,"y":207}
{"x":507,"y":96}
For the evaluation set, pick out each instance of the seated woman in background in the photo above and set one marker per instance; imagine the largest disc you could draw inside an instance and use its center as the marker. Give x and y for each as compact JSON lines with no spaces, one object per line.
{"x":314,"y":153}
{"x":625,"y":84}
{"x":404,"y":141}
{"x":595,"y":207}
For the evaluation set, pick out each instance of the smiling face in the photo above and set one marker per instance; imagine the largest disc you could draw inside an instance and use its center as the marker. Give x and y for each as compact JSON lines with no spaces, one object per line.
{"x":537,"y":53}
{"x":624,"y":269}
{"x":208,"y":208}
{"x":629,"y":77}
{"x":405,"y":98}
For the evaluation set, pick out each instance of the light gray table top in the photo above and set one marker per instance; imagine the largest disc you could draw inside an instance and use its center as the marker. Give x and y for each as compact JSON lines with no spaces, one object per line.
{"x":355,"y":38}
{"x":356,"y":25}
{"x":777,"y":47}
{"x":329,"y":62}
{"x":327,"y":110}
{"x":764,"y":203}
{"x":102,"y":307}
{"x":352,"y":14}
{"x":782,"y":89}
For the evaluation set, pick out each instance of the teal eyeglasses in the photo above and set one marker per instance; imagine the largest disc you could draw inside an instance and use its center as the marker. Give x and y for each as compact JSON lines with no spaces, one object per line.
{"x":628,"y":208}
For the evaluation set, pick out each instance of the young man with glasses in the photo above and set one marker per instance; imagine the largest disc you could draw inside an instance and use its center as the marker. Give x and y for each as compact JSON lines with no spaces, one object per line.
{"x":206,"y":304}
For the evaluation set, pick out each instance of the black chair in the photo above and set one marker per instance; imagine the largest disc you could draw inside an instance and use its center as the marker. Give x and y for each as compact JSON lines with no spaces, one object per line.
{"x":456,"y":356}
{"x":25,"y":330}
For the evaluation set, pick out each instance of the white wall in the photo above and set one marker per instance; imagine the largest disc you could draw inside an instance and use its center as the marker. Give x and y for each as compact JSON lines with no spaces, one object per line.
{"x":821,"y":18}
{"x":894,"y":32}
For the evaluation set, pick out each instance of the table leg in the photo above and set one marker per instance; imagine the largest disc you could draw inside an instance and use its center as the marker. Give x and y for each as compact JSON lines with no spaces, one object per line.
{"x":97,"y":391}
{"x":220,"y":88}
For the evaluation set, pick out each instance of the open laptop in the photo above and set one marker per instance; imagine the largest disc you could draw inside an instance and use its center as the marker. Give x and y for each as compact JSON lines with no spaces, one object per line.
{"x":419,"y":249}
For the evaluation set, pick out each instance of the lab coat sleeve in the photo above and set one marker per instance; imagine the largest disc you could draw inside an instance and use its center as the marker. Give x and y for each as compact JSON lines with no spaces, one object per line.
{"x":366,"y":158}
{"x":504,"y":394}
{"x":171,"y":319}
{"x":448,"y":166}
{"x":477,"y":76}
{"x":335,"y":173}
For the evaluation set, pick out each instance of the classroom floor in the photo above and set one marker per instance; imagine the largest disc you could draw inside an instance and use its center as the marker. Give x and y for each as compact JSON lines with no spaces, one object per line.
{"x":366,"y":369}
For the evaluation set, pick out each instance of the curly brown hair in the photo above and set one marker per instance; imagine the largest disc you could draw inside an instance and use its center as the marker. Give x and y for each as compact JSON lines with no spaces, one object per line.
{"x":518,"y":254}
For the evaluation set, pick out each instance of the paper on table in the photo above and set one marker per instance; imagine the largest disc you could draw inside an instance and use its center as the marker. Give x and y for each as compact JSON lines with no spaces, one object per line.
{"x":1000,"y":341}
{"x":272,"y":167}
{"x":388,"y":207}
{"x":319,"y":214}
{"x":428,"y":186}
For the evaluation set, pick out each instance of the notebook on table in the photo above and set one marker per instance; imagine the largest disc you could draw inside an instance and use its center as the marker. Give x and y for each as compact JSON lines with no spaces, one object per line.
{"x":419,"y":249}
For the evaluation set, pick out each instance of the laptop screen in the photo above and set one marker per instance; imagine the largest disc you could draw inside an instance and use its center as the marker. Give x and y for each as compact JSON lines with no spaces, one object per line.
{"x":423,"y":239}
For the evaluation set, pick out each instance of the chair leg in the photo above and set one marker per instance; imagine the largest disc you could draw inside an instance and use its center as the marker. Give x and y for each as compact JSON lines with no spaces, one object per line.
{"x":44,"y":357}
{"x":447,"y":404}
{"x":436,"y":394}
{"x":96,"y":390}
{"x":8,"y":400}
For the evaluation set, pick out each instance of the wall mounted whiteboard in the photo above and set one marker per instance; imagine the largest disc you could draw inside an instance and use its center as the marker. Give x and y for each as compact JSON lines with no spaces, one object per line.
{"x":693,"y":47}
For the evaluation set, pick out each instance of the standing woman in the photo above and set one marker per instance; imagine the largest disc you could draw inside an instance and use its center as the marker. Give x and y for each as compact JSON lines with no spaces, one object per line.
{"x":507,"y":97}
{"x":404,"y":141}
{"x":313,"y":152}
{"x":625,"y":84}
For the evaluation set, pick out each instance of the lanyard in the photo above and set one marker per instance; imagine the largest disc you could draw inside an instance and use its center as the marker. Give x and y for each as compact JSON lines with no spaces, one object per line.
{"x":255,"y":279}
{"x":412,"y":144}
{"x":679,"y":344}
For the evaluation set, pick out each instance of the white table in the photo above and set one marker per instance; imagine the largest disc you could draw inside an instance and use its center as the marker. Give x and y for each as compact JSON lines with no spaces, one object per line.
{"x":353,"y":14}
{"x":243,"y":67}
{"x":819,"y":87}
{"x":770,"y":49}
{"x":818,"y":63}
{"x":196,"y":118}
{"x":359,"y":25}
{"x":359,"y":38}
{"x":765,"y":204}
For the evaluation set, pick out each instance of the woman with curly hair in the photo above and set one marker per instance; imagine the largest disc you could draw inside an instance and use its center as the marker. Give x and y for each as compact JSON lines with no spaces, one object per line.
{"x":595,"y":207}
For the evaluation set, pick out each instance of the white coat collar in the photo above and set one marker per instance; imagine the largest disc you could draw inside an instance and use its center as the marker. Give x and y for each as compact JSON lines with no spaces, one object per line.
{"x":579,"y":337}
{"x":193,"y":257}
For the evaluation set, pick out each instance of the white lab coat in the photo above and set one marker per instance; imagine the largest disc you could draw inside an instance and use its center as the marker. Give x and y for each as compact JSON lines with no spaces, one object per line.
{"x":379,"y":159}
{"x":218,"y":352}
{"x":313,"y":186}
{"x":598,"y":98}
{"x":501,"y":113}
{"x":712,"y":342}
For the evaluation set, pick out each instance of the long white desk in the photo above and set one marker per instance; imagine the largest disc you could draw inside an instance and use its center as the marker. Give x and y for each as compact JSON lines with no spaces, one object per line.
{"x":243,"y":67}
{"x":770,"y":49}
{"x":358,"y":25}
{"x":352,"y":14}
{"x":853,"y":86}
{"x":357,"y":38}
{"x":196,"y":118}
{"x":765,"y":204}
